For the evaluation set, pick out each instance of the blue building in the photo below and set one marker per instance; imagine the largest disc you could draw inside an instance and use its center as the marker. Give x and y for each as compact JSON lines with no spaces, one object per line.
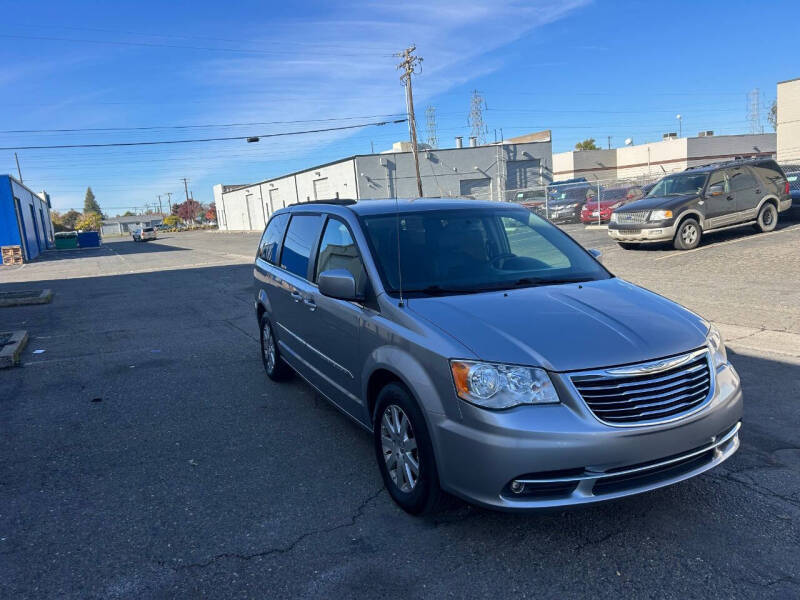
{"x":24,"y":218}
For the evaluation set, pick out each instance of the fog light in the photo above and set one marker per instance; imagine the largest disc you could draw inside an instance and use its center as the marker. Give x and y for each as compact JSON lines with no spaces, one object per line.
{"x":517,"y":487}
{"x":656,"y":231}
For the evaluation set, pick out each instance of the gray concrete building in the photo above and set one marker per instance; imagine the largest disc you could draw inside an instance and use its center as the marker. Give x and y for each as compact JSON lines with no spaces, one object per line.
{"x":489,"y":172}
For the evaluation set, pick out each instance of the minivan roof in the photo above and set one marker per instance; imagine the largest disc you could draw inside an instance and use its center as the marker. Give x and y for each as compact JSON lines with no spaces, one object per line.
{"x":379,"y":206}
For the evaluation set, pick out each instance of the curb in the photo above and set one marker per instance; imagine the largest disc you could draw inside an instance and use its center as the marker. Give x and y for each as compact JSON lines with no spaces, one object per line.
{"x":45,"y":297}
{"x":9,"y":354}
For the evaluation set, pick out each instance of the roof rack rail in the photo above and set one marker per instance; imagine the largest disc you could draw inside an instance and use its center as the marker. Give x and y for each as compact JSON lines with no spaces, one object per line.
{"x":337,"y":201}
{"x":726,"y":163}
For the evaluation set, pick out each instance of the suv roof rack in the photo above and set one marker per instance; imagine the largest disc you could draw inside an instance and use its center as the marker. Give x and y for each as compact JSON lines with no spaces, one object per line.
{"x":728,"y":163}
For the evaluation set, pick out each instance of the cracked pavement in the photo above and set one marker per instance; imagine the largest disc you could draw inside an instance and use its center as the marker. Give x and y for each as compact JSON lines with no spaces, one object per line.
{"x":145,"y":454}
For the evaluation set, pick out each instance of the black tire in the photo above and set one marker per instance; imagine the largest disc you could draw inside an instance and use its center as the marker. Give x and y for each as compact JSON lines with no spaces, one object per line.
{"x":688,"y":235}
{"x":767,"y":218}
{"x":628,"y":246}
{"x":425,"y":496}
{"x":276,"y":368}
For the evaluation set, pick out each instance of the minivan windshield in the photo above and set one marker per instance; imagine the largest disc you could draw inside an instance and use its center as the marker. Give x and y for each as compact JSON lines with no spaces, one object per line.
{"x":679,"y":184}
{"x":474,"y":250}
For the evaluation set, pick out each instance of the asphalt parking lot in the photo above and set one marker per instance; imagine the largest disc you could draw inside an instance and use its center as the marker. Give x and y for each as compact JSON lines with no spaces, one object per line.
{"x":145,"y":454}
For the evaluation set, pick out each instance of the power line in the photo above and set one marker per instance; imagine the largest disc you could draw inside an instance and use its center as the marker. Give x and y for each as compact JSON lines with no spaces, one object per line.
{"x":172,"y":46}
{"x":194,"y":141}
{"x":205,"y":126}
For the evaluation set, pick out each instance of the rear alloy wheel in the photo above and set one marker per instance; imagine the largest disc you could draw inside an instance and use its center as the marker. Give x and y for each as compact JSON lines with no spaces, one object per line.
{"x":404,"y":451}
{"x":276,"y":369}
{"x":767,"y":218}
{"x":688,"y":235}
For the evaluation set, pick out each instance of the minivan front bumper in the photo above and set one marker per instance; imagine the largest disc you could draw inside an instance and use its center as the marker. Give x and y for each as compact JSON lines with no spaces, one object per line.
{"x":563,"y":457}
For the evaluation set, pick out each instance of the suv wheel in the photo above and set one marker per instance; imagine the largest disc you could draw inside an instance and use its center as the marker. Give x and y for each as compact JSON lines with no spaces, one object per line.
{"x":404,"y":451}
{"x":276,"y":369}
{"x":688,"y":235}
{"x":767,"y":218}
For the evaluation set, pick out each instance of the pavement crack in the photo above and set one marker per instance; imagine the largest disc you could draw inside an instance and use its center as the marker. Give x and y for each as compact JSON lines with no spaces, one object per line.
{"x":766,"y":492}
{"x":596,"y":542}
{"x":357,"y":513}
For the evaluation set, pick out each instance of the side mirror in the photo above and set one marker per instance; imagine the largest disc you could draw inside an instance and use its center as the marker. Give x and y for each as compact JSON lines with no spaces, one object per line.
{"x":715,"y":190}
{"x":595,"y":252}
{"x":338,"y":283}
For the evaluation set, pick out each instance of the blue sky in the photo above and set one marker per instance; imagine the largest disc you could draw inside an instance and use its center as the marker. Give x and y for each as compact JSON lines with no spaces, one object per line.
{"x":582,"y":69}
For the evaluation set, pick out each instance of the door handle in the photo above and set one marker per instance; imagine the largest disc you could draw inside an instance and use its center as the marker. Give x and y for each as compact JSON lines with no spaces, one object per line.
{"x":297,"y":296}
{"x":758,"y":190}
{"x":730,"y":197}
{"x":309,"y":302}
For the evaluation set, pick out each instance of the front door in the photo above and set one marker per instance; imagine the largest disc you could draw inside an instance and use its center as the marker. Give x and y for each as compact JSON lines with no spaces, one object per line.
{"x":337,"y":323}
{"x":719,"y":210}
{"x":745,"y":188}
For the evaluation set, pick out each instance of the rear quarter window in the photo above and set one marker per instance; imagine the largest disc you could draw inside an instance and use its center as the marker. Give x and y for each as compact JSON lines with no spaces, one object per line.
{"x":271,"y":240}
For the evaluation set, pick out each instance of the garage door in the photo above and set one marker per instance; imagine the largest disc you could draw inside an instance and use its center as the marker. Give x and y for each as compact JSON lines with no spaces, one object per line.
{"x":274,"y":200}
{"x":480,"y":189}
{"x":322,"y":190}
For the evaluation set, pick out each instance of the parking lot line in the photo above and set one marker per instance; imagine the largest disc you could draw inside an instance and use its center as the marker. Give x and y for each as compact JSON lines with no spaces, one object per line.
{"x":742,"y":239}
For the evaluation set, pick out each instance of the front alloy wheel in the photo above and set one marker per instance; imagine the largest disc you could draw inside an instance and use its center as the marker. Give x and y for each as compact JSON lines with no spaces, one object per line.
{"x":400,"y":451}
{"x":688,"y":235}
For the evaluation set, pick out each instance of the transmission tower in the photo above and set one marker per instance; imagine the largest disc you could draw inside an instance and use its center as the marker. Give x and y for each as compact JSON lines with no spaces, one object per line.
{"x":433,"y":138}
{"x":754,"y":111}
{"x":477,"y":125}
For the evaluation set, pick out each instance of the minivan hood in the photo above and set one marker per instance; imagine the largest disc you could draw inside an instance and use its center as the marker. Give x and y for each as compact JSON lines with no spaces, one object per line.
{"x":652,"y":202}
{"x":566,"y":327}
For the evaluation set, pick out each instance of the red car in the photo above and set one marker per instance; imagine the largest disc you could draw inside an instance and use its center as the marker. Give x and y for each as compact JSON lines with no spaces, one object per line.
{"x":610,"y":199}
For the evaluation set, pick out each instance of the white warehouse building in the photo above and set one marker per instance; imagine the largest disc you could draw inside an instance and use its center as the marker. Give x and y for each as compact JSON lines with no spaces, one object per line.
{"x":489,"y":172}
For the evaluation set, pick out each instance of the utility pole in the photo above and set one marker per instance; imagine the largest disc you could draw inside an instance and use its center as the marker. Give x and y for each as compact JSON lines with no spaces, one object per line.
{"x":186,"y":187}
{"x":160,"y":206}
{"x":409,"y":63}
{"x":169,"y":201}
{"x":609,"y":142}
{"x":19,"y":172}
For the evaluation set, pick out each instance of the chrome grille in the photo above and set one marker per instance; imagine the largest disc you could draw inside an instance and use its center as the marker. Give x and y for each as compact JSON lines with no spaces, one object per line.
{"x":638,"y":217}
{"x":649,"y":392}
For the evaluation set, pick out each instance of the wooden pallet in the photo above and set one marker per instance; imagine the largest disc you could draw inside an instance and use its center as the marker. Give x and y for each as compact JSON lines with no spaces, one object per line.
{"x":12,"y":255}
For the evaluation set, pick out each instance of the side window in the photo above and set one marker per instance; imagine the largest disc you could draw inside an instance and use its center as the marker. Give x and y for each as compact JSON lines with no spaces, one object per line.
{"x":300,"y":239}
{"x":719,"y":177}
{"x":337,"y":250}
{"x":271,"y":240}
{"x":741,"y":180}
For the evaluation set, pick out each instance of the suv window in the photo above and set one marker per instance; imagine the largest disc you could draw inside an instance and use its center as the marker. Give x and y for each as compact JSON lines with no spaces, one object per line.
{"x":719,"y":177}
{"x":300,"y":239}
{"x":273,"y":234}
{"x":337,"y":250}
{"x":741,"y":180}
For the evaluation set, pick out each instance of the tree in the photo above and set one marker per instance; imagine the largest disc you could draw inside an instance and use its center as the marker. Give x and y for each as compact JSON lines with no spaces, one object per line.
{"x":90,"y":205}
{"x":66,"y":222}
{"x":172,"y":220}
{"x":772,"y":115}
{"x":586,"y":145}
{"x":211,"y":213}
{"x":189,"y":210}
{"x":90,"y":222}
{"x":128,"y":214}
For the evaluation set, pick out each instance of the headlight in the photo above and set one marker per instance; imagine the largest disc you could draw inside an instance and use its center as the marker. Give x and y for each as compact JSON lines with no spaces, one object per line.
{"x":660,"y":215}
{"x":501,"y":386}
{"x":719,"y":356}
{"x":614,"y":217}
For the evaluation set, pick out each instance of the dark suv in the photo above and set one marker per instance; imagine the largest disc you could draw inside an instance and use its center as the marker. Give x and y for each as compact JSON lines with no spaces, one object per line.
{"x":683,"y":206}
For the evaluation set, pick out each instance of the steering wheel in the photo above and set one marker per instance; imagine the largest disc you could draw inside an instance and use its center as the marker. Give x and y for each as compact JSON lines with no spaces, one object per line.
{"x":496,"y":261}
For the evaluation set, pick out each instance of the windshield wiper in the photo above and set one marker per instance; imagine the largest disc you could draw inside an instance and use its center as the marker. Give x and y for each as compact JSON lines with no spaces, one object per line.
{"x":536,"y":281}
{"x":437,"y":290}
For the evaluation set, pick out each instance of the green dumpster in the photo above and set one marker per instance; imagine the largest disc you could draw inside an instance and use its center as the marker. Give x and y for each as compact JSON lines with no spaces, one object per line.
{"x":66,"y":240}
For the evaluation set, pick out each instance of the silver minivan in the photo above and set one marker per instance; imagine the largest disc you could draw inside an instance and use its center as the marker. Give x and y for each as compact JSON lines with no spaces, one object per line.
{"x":490,"y":355}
